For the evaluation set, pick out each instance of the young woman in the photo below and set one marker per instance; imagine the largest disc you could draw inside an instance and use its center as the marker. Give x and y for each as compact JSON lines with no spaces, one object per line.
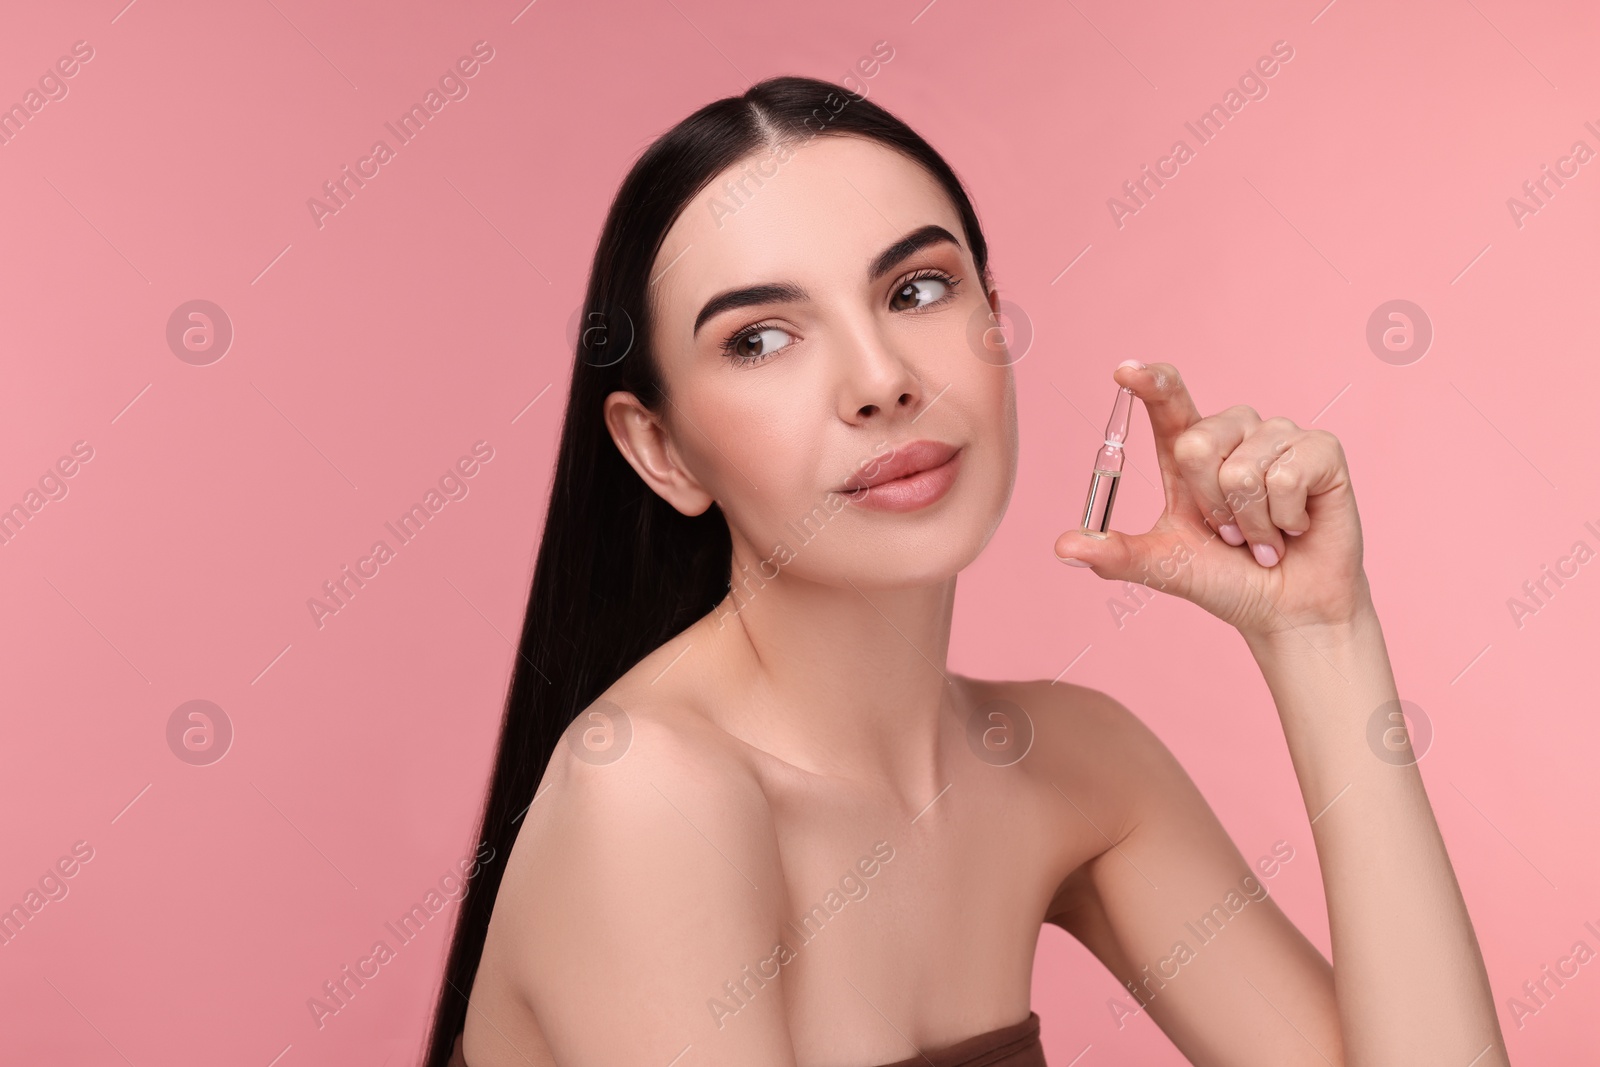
{"x":741,"y":812}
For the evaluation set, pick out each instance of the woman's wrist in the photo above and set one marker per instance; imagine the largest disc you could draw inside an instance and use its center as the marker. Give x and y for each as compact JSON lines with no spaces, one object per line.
{"x":1355,"y":622}
{"x":1327,"y":680}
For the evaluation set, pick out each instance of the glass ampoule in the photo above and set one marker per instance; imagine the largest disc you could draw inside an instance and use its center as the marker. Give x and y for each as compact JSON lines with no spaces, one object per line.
{"x":1108,"y":467}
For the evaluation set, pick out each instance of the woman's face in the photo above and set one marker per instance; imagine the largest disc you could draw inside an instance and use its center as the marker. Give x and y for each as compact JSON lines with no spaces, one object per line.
{"x":782,"y":400}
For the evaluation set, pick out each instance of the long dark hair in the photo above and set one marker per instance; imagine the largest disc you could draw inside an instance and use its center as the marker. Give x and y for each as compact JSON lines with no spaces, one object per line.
{"x":620,"y":571}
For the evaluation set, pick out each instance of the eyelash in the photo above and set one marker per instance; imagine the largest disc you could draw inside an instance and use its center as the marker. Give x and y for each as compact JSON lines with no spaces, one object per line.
{"x":732,"y":341}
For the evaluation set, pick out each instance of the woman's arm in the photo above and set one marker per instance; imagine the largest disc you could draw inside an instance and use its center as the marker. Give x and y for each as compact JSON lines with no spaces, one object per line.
{"x":1408,"y":975}
{"x":1188,"y":926}
{"x":1261,"y":529}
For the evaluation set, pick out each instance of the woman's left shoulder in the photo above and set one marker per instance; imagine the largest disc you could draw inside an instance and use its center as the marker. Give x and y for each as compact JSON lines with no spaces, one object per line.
{"x":1071,"y":729}
{"x":1082,"y":762}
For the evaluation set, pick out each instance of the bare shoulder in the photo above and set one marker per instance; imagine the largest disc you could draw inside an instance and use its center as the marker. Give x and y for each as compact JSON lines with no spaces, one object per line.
{"x":1096,"y":761}
{"x":1080,"y":731}
{"x":626,"y":745}
{"x":645,"y":874}
{"x":623,"y":778}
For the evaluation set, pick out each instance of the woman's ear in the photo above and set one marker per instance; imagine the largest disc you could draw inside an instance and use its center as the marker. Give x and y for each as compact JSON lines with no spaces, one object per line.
{"x":645,"y":444}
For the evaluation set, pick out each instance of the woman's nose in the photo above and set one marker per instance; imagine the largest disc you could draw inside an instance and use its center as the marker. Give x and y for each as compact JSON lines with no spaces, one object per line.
{"x":874,"y":378}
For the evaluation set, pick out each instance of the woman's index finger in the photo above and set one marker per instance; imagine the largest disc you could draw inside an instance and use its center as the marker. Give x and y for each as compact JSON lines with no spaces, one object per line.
{"x":1166,"y":398}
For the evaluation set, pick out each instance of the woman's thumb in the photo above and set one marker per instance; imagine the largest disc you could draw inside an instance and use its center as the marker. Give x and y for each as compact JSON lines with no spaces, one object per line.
{"x":1111,"y":555}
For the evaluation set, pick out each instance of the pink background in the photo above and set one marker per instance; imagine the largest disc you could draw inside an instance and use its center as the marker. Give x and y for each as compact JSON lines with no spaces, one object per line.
{"x":372,"y":352}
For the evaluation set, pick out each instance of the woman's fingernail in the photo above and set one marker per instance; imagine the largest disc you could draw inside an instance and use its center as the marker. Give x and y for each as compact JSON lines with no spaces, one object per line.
{"x":1266,"y":555}
{"x":1135,"y":364}
{"x":1294,"y":533}
{"x":1230,"y":533}
{"x":1072,"y":562}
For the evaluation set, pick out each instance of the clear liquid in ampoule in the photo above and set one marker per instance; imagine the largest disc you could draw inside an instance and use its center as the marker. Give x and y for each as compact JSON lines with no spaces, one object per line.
{"x":1097,"y":508}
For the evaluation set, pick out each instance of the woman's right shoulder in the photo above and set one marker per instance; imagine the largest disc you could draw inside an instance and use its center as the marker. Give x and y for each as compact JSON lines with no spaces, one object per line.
{"x":646,"y":867}
{"x":637,"y":767}
{"x":630,"y":745}
{"x":649,"y":732}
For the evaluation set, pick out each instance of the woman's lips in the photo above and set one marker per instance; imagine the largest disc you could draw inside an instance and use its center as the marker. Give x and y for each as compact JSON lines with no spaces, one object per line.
{"x":909,"y":492}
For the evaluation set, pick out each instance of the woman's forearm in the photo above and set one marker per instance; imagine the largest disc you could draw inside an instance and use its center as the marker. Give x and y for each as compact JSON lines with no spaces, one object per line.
{"x":1408,"y":973}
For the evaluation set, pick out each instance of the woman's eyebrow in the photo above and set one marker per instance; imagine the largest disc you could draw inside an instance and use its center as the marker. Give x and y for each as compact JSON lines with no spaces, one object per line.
{"x":787,"y":292}
{"x":907,"y":246}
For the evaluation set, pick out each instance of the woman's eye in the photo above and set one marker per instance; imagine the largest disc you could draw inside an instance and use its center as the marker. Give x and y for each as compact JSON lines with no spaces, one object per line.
{"x":919,"y":296}
{"x":757,"y":344}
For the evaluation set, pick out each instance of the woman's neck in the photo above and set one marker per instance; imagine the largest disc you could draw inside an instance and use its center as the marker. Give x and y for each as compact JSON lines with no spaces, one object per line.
{"x":845,"y":681}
